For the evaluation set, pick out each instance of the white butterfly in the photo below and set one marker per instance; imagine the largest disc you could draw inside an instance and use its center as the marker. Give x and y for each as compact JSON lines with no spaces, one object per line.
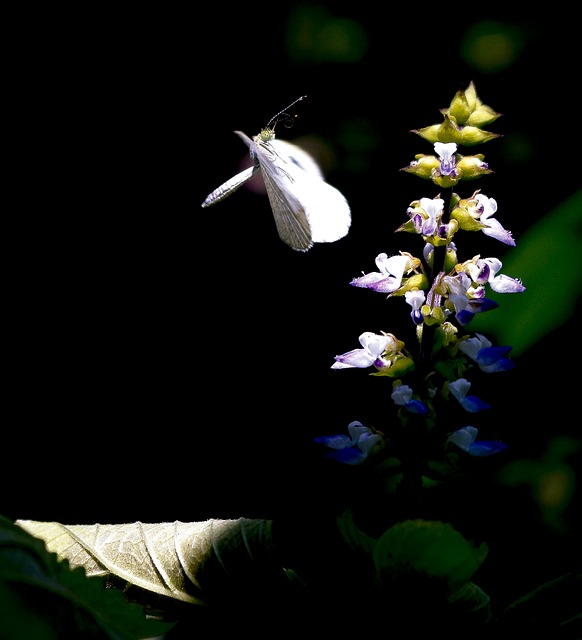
{"x":305,"y":207}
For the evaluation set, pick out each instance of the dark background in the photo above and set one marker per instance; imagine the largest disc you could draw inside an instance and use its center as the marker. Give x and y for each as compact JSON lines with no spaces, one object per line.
{"x":168,"y":362}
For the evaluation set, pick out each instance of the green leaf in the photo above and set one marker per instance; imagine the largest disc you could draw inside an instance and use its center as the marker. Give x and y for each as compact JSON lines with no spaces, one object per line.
{"x":472,"y":602}
{"x":187,"y":562}
{"x":555,"y":604}
{"x":41,"y":597}
{"x":354,"y":537}
{"x":428,"y":548}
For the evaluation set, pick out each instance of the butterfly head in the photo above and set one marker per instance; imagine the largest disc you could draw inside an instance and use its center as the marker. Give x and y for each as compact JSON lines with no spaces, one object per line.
{"x":267,"y":135}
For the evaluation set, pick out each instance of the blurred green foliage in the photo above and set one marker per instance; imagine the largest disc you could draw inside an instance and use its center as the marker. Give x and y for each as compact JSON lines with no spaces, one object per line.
{"x":314,"y":35}
{"x":548,"y":259}
{"x":490,"y":46}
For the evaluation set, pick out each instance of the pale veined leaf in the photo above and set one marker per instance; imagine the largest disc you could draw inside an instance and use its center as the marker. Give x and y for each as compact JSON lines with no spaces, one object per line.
{"x":305,"y":207}
{"x":172,"y":559}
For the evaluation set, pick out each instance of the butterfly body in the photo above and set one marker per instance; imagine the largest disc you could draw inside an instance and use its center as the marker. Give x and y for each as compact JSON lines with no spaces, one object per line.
{"x":306,"y":209}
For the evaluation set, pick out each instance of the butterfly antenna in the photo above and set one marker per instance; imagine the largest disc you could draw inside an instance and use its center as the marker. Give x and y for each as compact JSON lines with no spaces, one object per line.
{"x":289,"y":119}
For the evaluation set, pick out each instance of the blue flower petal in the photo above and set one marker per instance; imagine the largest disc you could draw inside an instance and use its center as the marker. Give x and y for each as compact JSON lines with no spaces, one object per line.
{"x":351,"y":455}
{"x":335,"y":442}
{"x":416,"y":406}
{"x":486,"y":304}
{"x":484,"y":448}
{"x":464,"y":317}
{"x":490,"y":355}
{"x":472,"y":404}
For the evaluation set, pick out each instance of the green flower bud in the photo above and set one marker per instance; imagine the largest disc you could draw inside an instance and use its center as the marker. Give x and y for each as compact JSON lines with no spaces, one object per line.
{"x":448,"y":131}
{"x":473,"y":135}
{"x":433,"y":316}
{"x":468,"y":110}
{"x":466,"y":220}
{"x":422,"y":166}
{"x":471,"y":167}
{"x":446,"y":181}
{"x":428,"y":133}
{"x":481,"y":114}
{"x":459,"y":109}
{"x":401,"y":367}
{"x":407,"y":226}
{"x":482,"y":117}
{"x":450,"y":259}
{"x":417,"y":281}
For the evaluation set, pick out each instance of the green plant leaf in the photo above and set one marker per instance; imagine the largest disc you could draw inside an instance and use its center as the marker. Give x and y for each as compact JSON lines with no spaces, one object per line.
{"x":354,"y":537}
{"x":472,"y":602}
{"x":427,"y":548}
{"x":555,"y":604}
{"x":183,"y":561}
{"x":42,"y":597}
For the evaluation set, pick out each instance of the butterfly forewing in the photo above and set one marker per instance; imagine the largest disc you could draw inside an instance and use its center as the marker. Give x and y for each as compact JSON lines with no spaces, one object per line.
{"x":290,"y":219}
{"x":279,"y":177}
{"x":299,"y":183}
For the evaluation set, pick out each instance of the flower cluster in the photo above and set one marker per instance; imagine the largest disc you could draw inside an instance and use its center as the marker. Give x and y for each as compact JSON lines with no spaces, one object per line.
{"x":443,"y":293}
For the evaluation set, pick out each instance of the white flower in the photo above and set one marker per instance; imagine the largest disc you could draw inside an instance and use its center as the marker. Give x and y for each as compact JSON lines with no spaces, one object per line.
{"x":352,"y":449}
{"x":389,"y":277}
{"x":465,"y":439}
{"x":373,"y":345}
{"x":494,"y":228}
{"x":459,"y":389}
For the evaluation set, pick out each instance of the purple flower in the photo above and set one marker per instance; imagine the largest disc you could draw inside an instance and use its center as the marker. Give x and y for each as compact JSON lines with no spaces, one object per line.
{"x":486,"y":270}
{"x":352,"y":449}
{"x":374,"y":345}
{"x":465,"y":439}
{"x":466,"y":299}
{"x":402,"y":395}
{"x":472,"y":404}
{"x":416,"y":299}
{"x":493,"y":228}
{"x":446,"y":152}
{"x":490,"y":359}
{"x":389,"y":277}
